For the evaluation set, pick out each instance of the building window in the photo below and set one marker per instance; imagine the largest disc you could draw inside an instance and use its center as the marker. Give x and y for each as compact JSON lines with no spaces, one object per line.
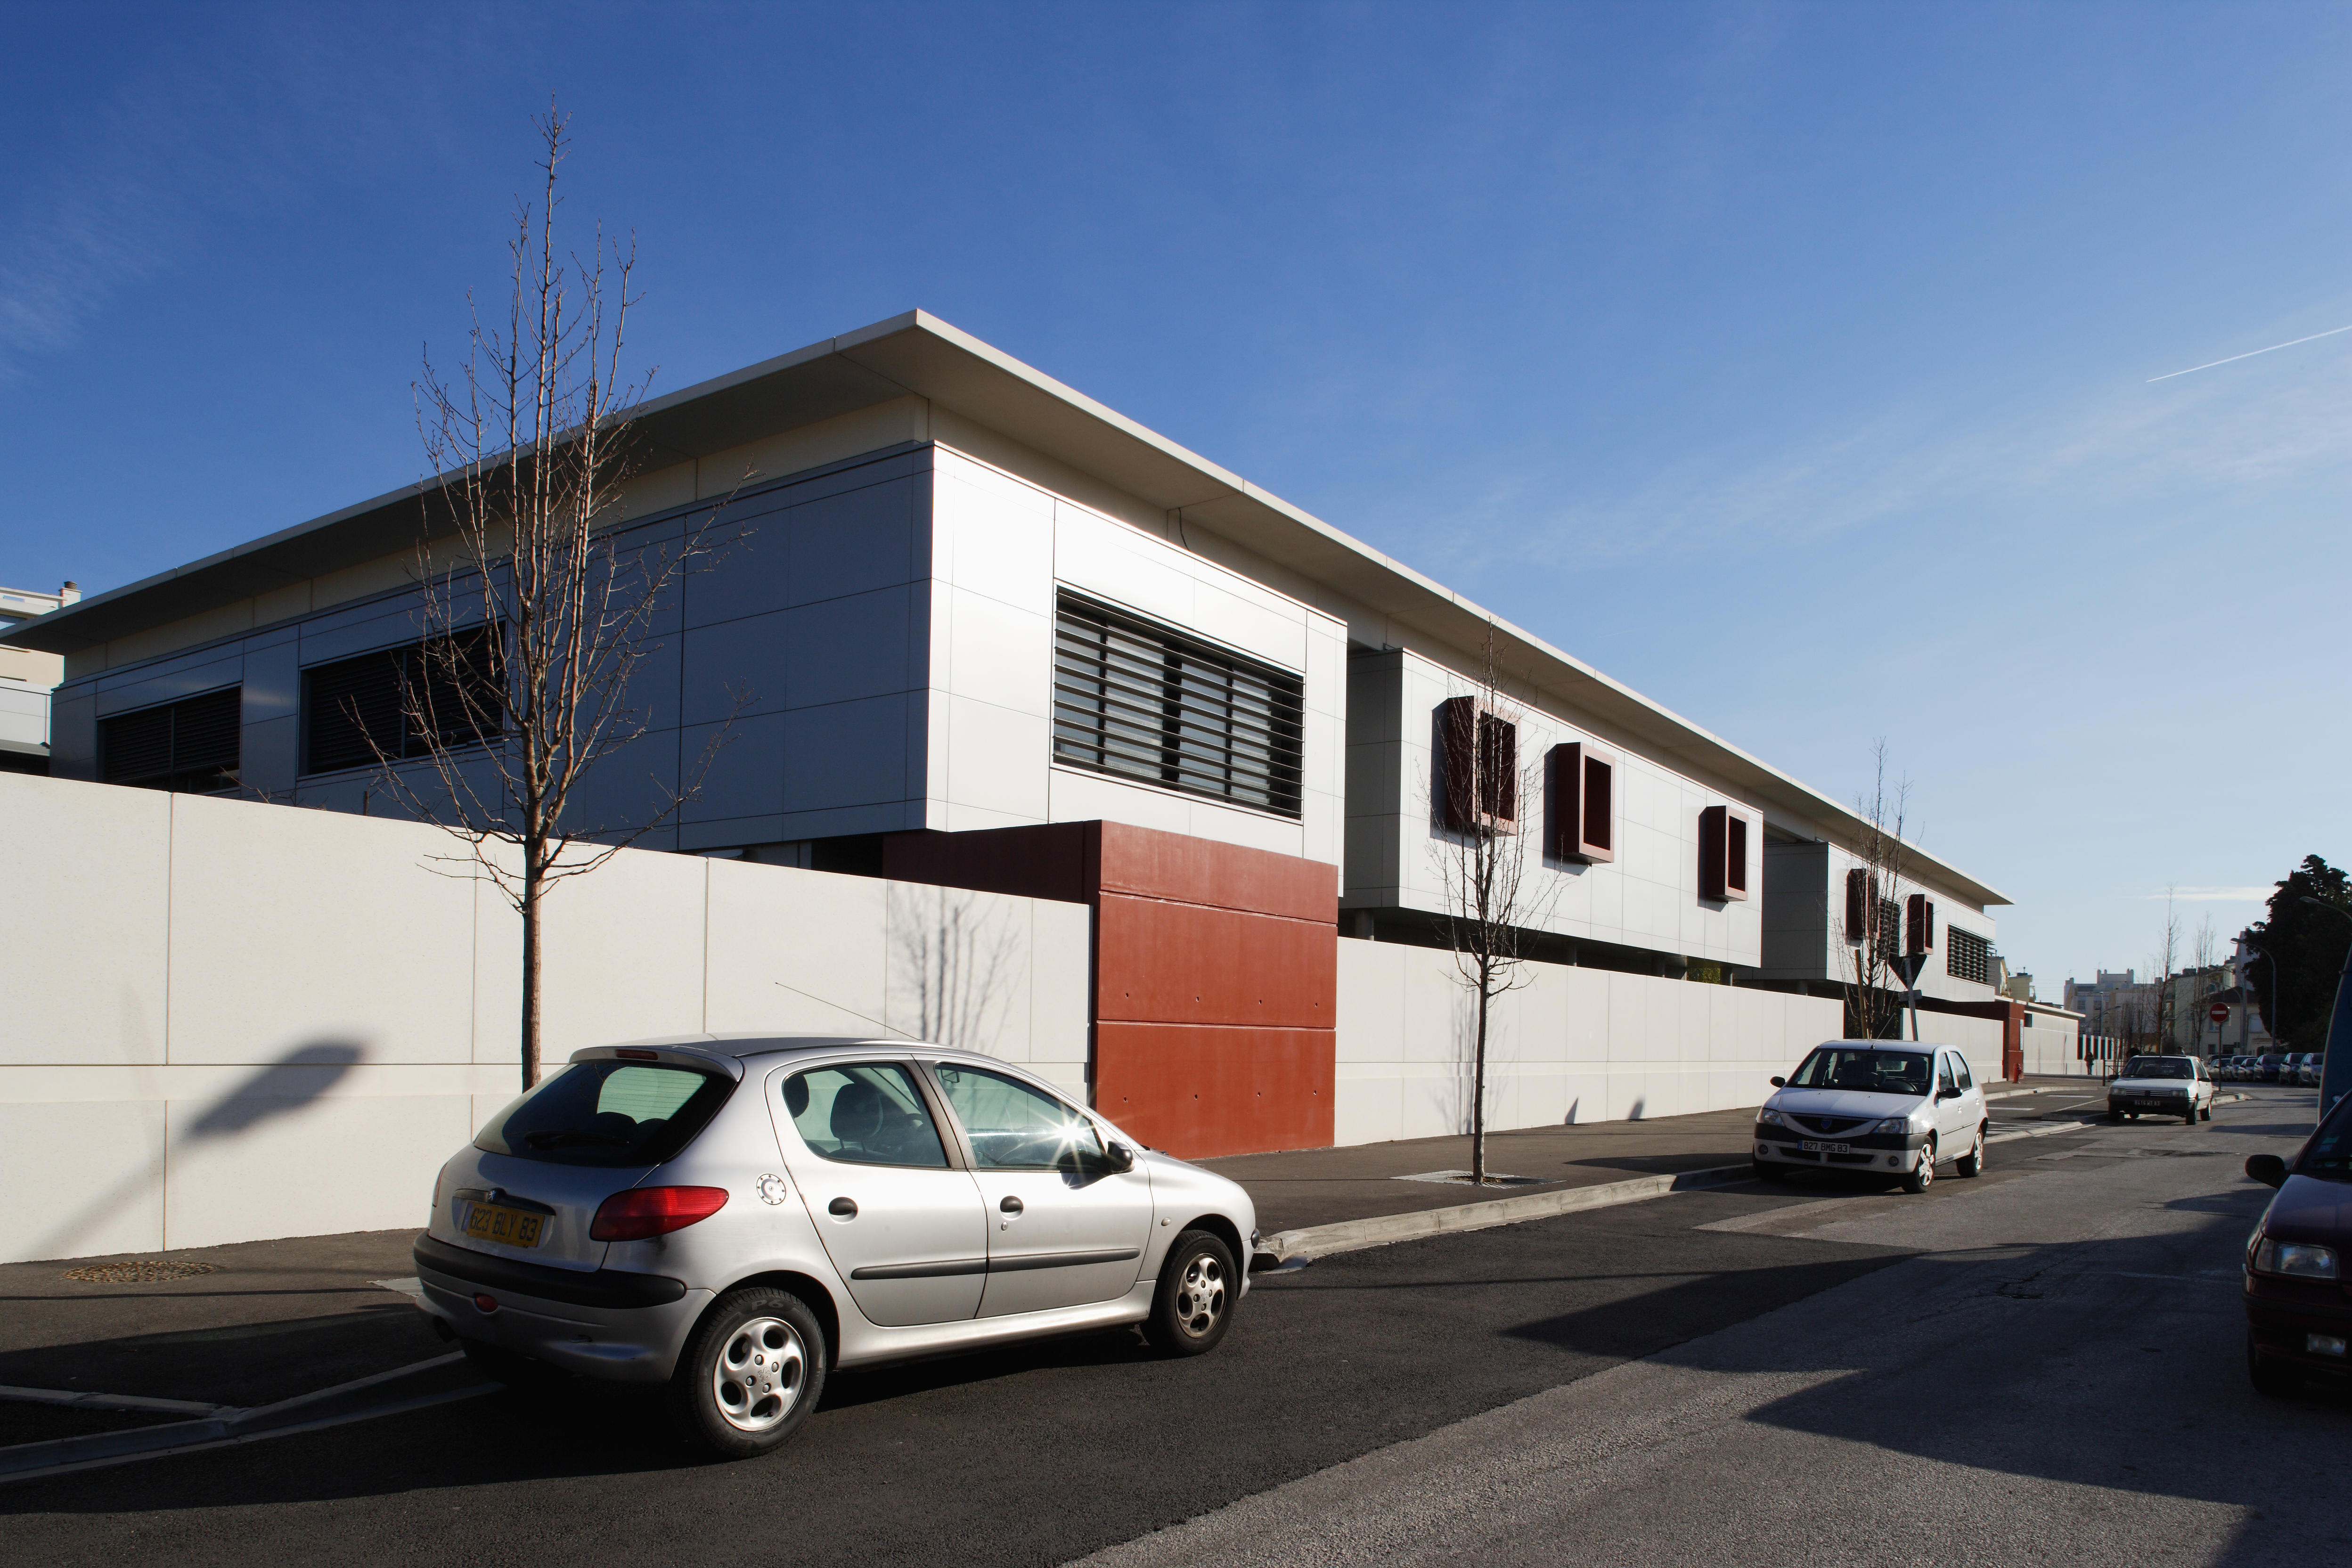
{"x":1967,"y":956}
{"x":1722,"y":855}
{"x":1140,"y":701}
{"x":189,"y":746}
{"x":356,"y":710}
{"x":1482,"y":767}
{"x":1584,"y":805}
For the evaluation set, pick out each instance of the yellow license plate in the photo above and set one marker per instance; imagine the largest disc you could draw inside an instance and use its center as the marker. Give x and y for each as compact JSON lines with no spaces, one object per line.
{"x":509,"y":1227}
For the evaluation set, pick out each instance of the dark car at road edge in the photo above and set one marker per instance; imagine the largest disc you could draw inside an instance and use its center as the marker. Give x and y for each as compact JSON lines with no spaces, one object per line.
{"x":2299,"y":1310}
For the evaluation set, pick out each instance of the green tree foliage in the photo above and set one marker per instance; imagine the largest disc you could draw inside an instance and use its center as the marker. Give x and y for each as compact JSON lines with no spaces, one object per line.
{"x":2297,"y":994}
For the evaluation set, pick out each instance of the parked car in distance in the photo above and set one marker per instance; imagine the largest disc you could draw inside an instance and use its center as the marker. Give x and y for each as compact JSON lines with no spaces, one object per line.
{"x":2267,"y":1067}
{"x":2161,"y":1086}
{"x":2307,"y":1073}
{"x":2296,"y":1323}
{"x":730,"y":1218}
{"x":1874,"y":1107}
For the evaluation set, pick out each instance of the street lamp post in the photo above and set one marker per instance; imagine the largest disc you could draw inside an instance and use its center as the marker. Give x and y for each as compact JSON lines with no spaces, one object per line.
{"x":2336,"y":1063}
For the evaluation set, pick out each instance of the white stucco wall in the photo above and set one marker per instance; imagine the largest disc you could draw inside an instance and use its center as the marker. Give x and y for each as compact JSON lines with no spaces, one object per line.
{"x":229,"y":1021}
{"x":1576,"y":1045}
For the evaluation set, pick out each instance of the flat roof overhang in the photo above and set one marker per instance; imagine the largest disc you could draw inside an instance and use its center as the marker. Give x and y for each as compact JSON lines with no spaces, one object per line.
{"x":917,"y":354}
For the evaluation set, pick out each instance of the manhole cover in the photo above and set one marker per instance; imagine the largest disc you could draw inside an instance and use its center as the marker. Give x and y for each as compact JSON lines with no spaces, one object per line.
{"x":137,"y":1271}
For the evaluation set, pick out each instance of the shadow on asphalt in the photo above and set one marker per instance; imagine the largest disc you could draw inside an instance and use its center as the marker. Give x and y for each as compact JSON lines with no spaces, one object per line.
{"x":2140,"y":1339}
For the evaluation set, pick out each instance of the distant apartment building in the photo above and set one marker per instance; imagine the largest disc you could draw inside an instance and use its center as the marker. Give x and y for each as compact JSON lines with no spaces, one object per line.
{"x":28,"y":676}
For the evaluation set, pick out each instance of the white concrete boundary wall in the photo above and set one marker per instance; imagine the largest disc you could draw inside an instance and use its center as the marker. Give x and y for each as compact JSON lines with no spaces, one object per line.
{"x":227,"y":1021}
{"x":1576,"y":1045}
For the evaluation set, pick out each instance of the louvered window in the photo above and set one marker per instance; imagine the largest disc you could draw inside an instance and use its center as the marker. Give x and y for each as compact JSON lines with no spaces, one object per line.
{"x":190,"y":746}
{"x":1967,"y":956}
{"x":1144,"y":702}
{"x":356,"y":710}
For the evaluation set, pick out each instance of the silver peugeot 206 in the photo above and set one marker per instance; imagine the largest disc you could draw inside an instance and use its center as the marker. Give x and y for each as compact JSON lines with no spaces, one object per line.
{"x":734,"y":1217}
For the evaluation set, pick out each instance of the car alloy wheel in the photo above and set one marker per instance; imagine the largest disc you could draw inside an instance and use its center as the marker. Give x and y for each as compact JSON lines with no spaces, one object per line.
{"x":1194,"y":1303}
{"x":1972,"y":1162}
{"x":1923,"y":1175}
{"x":751,"y":1374}
{"x":757,"y":1377}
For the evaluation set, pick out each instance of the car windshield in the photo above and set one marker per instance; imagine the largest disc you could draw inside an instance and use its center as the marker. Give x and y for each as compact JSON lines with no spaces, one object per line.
{"x":2328,"y":1155}
{"x":608,"y":1114}
{"x":2162,"y":1067}
{"x":1871,"y":1071}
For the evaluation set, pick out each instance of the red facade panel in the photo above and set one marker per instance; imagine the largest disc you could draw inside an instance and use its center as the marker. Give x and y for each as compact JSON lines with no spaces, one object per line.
{"x":1201,"y":1091}
{"x":1215,"y":973}
{"x":1165,"y":963}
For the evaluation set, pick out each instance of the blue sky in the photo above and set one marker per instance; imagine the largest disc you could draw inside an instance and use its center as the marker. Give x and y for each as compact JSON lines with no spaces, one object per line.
{"x":1789,"y":362}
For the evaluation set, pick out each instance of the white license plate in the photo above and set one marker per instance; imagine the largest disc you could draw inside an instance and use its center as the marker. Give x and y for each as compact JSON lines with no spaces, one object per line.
{"x":1815,"y":1146}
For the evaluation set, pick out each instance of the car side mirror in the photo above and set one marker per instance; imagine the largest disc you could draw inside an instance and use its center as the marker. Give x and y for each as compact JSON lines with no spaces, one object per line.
{"x":1779,"y":1083}
{"x":2267,"y":1169}
{"x":1947,"y":1094}
{"x":1118,"y":1159}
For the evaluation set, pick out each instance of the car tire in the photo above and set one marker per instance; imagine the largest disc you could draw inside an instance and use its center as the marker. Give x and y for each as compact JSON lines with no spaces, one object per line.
{"x":2131,"y":1116}
{"x":2205,"y":1114}
{"x":750,"y":1375}
{"x":2115,"y":1116}
{"x":1923,"y":1175}
{"x":512,"y":1368}
{"x":1972,"y":1163}
{"x":2270,"y":1381}
{"x":1197,"y":1290}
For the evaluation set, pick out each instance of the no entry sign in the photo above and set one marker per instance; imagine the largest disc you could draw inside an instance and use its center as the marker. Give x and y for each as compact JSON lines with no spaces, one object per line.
{"x":2219,"y":1012}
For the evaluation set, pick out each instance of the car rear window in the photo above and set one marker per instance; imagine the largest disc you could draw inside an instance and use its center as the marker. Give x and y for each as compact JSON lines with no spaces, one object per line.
{"x":1873,"y":1072}
{"x":2163,"y":1066}
{"x":608,"y":1114}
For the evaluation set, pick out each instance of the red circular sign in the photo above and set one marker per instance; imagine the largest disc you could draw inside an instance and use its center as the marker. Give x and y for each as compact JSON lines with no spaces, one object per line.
{"x":2219,"y":1012}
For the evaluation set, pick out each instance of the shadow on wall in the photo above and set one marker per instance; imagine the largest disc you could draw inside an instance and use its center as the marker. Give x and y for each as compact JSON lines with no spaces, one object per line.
{"x":302,"y":1076}
{"x":957,"y":958}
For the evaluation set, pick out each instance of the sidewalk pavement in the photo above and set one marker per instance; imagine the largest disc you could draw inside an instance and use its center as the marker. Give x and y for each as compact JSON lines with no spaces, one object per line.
{"x":1305,"y":1187}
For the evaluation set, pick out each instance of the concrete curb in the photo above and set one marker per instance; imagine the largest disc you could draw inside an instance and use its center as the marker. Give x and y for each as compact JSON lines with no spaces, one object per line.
{"x":1354,"y":1234}
{"x":1310,"y":1242}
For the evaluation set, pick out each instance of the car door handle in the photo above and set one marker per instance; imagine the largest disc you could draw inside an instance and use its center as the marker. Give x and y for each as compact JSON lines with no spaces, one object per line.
{"x":846,"y":1208}
{"x":1011,"y":1206}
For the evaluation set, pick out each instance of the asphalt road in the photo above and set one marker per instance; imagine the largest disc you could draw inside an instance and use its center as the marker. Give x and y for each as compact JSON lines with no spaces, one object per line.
{"x":1811,"y":1373}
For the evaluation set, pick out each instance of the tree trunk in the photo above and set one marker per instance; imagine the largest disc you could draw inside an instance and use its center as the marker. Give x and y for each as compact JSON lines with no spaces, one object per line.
{"x":1478,"y":1095}
{"x":533,"y":873}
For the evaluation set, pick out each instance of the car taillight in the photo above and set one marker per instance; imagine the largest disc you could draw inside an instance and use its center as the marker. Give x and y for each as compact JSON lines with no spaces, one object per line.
{"x":653,"y":1211}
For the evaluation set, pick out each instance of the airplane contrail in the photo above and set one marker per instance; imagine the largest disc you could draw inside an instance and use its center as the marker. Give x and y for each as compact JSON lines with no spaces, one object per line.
{"x":2248,"y":354}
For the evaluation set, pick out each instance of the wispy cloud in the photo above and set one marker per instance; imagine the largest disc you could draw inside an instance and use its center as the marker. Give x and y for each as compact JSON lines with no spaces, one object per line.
{"x":2214,"y":895}
{"x":2104,"y":447}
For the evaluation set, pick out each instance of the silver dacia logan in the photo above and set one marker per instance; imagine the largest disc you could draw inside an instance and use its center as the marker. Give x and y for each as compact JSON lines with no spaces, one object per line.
{"x":734,"y":1217}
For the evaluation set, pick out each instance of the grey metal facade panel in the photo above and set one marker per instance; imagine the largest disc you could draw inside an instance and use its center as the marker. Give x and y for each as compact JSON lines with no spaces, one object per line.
{"x":746,"y":774}
{"x":168,"y":680}
{"x":273,"y":681}
{"x":839,"y":650}
{"x":73,"y":735}
{"x":853,"y":543}
{"x":742,"y":657}
{"x":269,"y":758}
{"x":845,"y":754}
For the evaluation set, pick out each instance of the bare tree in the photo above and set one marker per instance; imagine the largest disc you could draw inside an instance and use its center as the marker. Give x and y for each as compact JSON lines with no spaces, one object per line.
{"x":534,"y":617}
{"x":2163,"y":1006}
{"x":1870,"y":933}
{"x":1481,"y":795}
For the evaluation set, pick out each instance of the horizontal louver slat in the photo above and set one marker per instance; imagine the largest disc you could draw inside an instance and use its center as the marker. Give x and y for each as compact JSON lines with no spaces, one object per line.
{"x":189,"y":746}
{"x":1151,"y":704}
{"x":351,"y":709}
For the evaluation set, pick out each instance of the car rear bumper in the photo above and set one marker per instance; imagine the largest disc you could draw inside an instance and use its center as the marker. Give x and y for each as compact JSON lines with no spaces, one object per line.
{"x":602,"y":1323}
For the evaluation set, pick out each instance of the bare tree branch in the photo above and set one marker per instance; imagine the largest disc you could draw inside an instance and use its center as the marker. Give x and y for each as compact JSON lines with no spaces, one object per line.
{"x":534,"y":617}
